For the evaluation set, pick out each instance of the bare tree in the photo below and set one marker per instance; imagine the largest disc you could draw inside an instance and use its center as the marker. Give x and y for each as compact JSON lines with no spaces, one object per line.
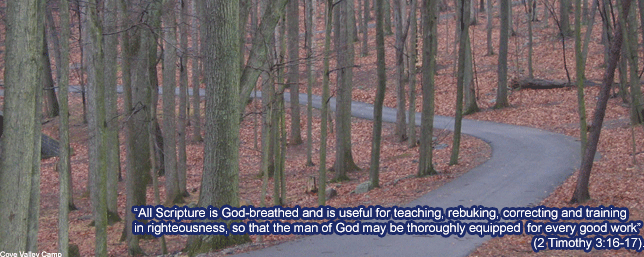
{"x":93,"y":32}
{"x":308,"y":44}
{"x":220,"y":179}
{"x":196,"y":72}
{"x":581,"y":193}
{"x":110,"y":42}
{"x":325,"y":104}
{"x":430,"y":20}
{"x":169,"y":84}
{"x":464,"y":39}
{"x":293,"y":79}
{"x":413,"y":53}
{"x":502,"y":68}
{"x":64,"y":158}
{"x":20,"y":161}
{"x":345,"y":52}
{"x":374,"y":166}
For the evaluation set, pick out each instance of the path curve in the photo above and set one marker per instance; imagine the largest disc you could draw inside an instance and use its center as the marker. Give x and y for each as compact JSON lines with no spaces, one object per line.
{"x":526,"y":165}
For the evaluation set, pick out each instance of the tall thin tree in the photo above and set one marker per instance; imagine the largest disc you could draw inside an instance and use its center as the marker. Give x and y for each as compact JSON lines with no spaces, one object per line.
{"x":374,"y":166}
{"x":581,"y":193}
{"x":293,"y":79}
{"x":93,"y":32}
{"x":63,"y":163}
{"x":345,"y":52}
{"x":169,"y":84}
{"x":464,"y":39}
{"x":308,"y":44}
{"x":502,"y":65}
{"x":430,"y":20}
{"x":19,"y":176}
{"x":325,"y":105}
{"x":220,"y":179}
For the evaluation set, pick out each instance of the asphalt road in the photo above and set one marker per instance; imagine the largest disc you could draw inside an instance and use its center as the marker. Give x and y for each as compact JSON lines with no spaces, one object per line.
{"x":527,"y":164}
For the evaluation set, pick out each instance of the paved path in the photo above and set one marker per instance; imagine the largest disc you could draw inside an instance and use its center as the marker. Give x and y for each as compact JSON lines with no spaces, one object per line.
{"x":527,"y":164}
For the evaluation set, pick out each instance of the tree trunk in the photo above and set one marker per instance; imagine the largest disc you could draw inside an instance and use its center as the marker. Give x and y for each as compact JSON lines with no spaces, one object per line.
{"x":464,"y":38}
{"x":153,"y":59}
{"x":310,"y":79}
{"x":93,"y":33}
{"x":365,"y":29}
{"x":430,"y":20}
{"x":413,"y":53}
{"x":183,"y":100}
{"x":138,"y":56}
{"x":293,"y":30}
{"x":401,"y":129}
{"x":502,"y":68}
{"x":19,"y":195}
{"x":259,"y":50}
{"x":110,"y":42}
{"x":581,"y":193}
{"x":374,"y":166}
{"x":52,"y":36}
{"x":51,"y":102}
{"x":580,"y":70}
{"x":196,"y":72}
{"x":488,"y":27}
{"x":169,"y":84}
{"x":564,"y":20}
{"x":220,"y":179}
{"x":632,"y":50}
{"x":530,"y":13}
{"x":387,"y":17}
{"x":344,"y":49}
{"x":325,"y":104}
{"x":468,"y":79}
{"x":64,"y":161}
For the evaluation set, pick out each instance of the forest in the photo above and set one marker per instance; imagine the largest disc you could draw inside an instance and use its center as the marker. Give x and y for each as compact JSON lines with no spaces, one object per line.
{"x":110,"y":104}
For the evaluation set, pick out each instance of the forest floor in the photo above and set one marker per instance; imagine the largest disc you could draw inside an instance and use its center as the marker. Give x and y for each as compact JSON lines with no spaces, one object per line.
{"x":398,"y":183}
{"x":615,"y":180}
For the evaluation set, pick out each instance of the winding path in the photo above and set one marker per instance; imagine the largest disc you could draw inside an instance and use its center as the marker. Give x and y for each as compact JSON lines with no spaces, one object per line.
{"x":527,"y":164}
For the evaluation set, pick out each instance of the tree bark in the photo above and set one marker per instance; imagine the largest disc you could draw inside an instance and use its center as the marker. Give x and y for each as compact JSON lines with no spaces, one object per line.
{"x":464,"y":38}
{"x":293,"y":30}
{"x":344,"y":50}
{"x":110,"y":10}
{"x":325,"y":104}
{"x":259,"y":50}
{"x":413,"y":53}
{"x":580,"y":73}
{"x":51,"y":101}
{"x":488,"y":27}
{"x":581,"y":193}
{"x":23,"y":84}
{"x":183,"y":100}
{"x":220,"y":179}
{"x":374,"y":166}
{"x":93,"y":34}
{"x":502,"y":68}
{"x":196,"y":72}
{"x":430,"y":20}
{"x":64,"y":155}
{"x":401,"y":123}
{"x":632,"y":52}
{"x":564,"y":17}
{"x":138,"y":55}
{"x":365,"y":29}
{"x":310,"y":79}
{"x":169,"y":85}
